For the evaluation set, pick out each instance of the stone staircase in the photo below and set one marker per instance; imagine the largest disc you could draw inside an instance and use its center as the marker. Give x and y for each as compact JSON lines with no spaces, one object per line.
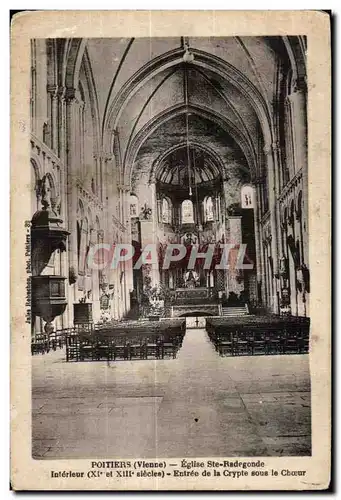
{"x":234,"y":311}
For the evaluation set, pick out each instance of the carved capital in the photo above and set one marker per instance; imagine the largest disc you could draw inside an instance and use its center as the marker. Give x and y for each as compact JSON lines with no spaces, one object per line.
{"x":108,"y":157}
{"x":300,"y":84}
{"x":53,"y":90}
{"x":93,"y":234}
{"x":152,"y":178}
{"x":259,"y":180}
{"x":61,"y":93}
{"x":124,"y":187}
{"x":269,"y":148}
{"x":97,"y":156}
{"x":70,"y":95}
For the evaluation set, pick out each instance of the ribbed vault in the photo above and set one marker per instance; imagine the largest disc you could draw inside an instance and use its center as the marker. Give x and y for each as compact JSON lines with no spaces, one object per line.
{"x":233,"y":81}
{"x":187,"y":163}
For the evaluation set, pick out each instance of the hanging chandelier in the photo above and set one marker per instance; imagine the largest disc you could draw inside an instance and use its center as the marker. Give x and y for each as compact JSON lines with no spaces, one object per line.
{"x":188,"y":56}
{"x":188,"y":158}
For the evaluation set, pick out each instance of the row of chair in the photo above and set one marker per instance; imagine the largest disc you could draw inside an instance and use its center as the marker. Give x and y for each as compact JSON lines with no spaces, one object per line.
{"x":278,"y":337}
{"x":239,"y":344}
{"x":133,"y":332}
{"x":43,"y":343}
{"x":264,"y":321}
{"x":97,"y":347}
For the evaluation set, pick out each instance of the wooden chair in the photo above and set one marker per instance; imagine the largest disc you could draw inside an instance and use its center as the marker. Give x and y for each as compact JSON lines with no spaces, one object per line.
{"x":87,"y":348}
{"x":291,"y":342}
{"x":168,"y":349}
{"x":274,"y":340}
{"x":120,"y":348}
{"x":225,"y":344}
{"x":258,"y":342}
{"x":241,"y":343}
{"x":135,"y":349}
{"x":102,"y":347}
{"x":72,"y":348}
{"x":153,"y":348}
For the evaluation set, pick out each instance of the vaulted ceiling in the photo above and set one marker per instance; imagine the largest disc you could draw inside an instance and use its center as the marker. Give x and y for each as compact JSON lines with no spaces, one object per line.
{"x":187,"y":163}
{"x":228,"y":88}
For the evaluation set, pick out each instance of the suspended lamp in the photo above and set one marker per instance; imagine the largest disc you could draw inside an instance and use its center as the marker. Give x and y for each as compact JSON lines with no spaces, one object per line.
{"x":188,"y":158}
{"x":188,"y":56}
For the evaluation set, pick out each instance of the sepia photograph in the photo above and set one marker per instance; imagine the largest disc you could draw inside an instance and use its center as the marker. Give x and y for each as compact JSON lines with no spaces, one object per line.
{"x":168,"y":256}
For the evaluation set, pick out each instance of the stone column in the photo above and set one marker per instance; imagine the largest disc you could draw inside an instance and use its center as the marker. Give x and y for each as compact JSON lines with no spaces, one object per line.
{"x":269,"y":151}
{"x":94,"y":278}
{"x":147,"y":235}
{"x":297,"y":102}
{"x":258,"y":242}
{"x":59,"y":145}
{"x":82,"y":145}
{"x":100,"y":185}
{"x":53,"y":92}
{"x":154,"y":218}
{"x":61,"y":129}
{"x":71,"y":181}
{"x":267,"y":272}
{"x":235,"y":223}
{"x":109,"y":200}
{"x":128,"y":266}
{"x":278,"y":166}
{"x":159,"y":214}
{"x":226,"y":228}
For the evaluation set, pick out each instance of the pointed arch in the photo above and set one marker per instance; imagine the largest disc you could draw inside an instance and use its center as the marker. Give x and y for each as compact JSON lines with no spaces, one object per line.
{"x":73,"y":51}
{"x":86,"y":62}
{"x":217,"y":161}
{"x":201,"y":60}
{"x":180,"y":109}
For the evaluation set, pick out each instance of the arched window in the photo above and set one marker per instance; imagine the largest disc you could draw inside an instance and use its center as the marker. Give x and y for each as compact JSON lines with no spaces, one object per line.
{"x":187,"y":214}
{"x":134,"y":208}
{"x":208,"y":209}
{"x":166,"y":211}
{"x":247,"y":197}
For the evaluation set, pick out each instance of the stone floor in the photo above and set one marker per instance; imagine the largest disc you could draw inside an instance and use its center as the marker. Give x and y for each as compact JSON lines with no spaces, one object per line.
{"x":196,"y":405}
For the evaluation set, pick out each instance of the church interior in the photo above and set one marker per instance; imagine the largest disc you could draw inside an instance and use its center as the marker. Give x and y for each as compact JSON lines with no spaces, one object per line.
{"x":159,"y":141}
{"x":200,"y":142}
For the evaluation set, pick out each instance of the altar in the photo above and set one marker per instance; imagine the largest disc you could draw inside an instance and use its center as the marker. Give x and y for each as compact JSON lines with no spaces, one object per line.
{"x":192,"y":293}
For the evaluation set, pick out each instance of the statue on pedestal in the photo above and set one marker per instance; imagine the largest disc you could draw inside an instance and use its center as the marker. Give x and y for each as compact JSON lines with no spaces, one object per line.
{"x":191,"y":279}
{"x":189,"y":239}
{"x":146,"y":212}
